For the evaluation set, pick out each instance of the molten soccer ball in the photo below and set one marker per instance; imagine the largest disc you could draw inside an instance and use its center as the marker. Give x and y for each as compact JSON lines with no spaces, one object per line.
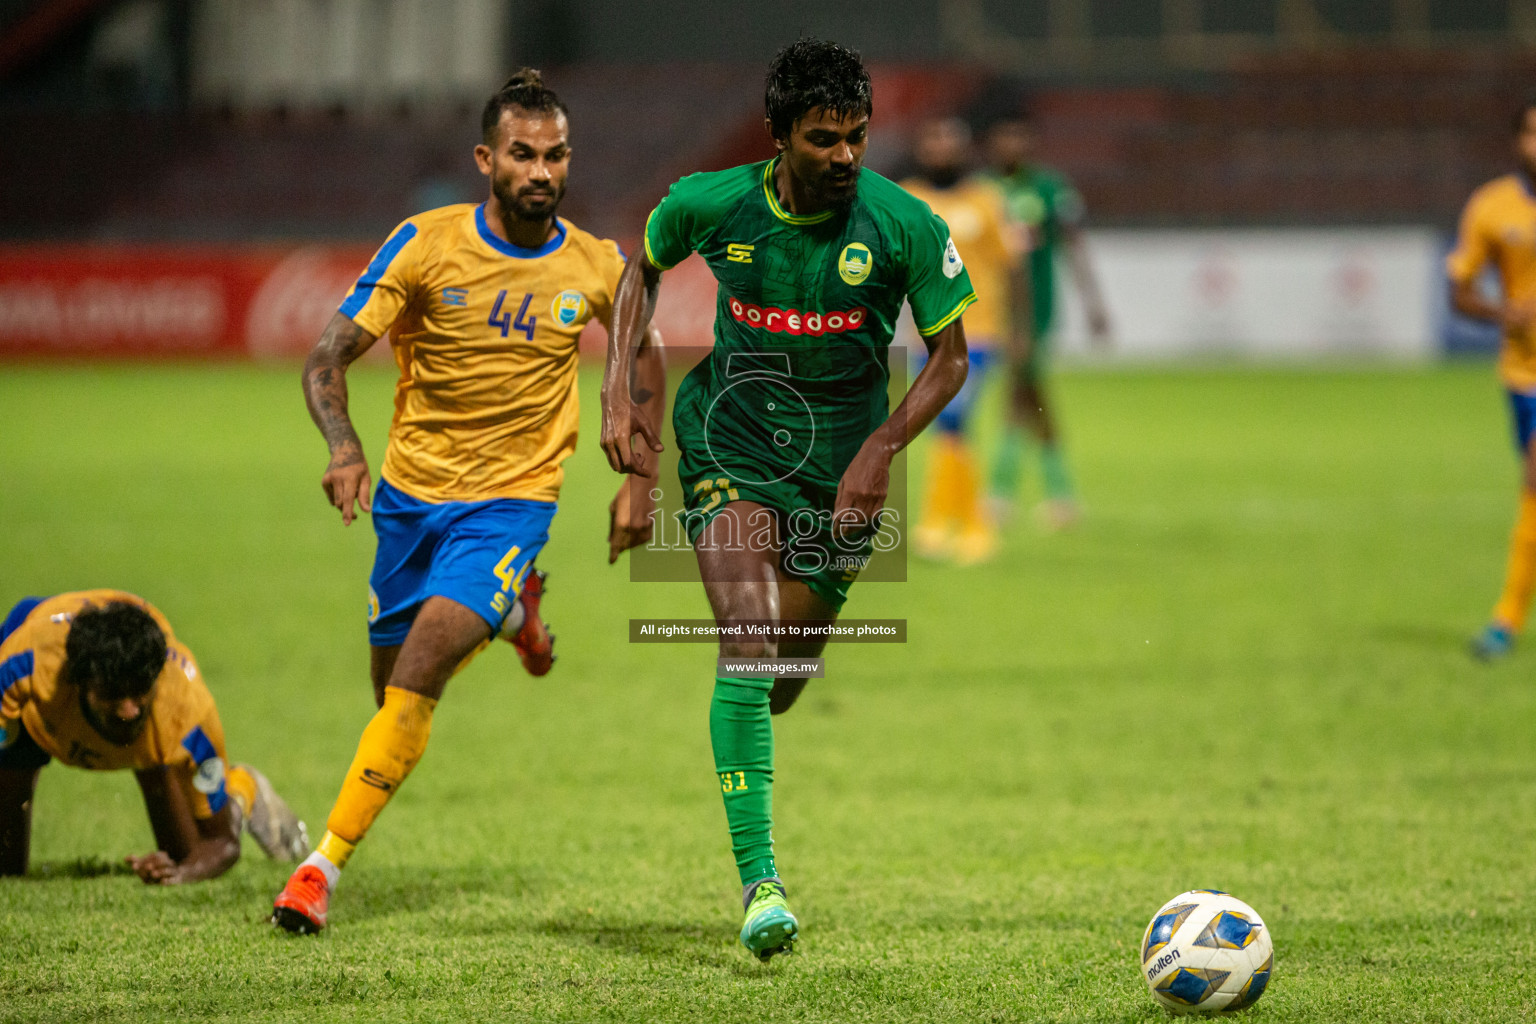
{"x":1206,"y":951}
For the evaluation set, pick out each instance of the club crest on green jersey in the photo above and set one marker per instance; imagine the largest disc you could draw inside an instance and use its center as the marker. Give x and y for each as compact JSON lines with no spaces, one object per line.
{"x":855,"y":263}
{"x":952,"y":264}
{"x":568,"y":307}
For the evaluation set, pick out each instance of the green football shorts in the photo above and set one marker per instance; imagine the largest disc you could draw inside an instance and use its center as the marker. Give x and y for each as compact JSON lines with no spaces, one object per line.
{"x":802,"y":513}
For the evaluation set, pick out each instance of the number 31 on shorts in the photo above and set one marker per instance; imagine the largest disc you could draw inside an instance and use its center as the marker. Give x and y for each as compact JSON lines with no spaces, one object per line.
{"x":715,"y":488}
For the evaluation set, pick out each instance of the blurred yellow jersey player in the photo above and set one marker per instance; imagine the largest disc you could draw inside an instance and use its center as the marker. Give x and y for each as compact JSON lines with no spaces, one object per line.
{"x":483,"y":304}
{"x":97,"y":680}
{"x":990,"y":245}
{"x":953,"y":524}
{"x":1498,"y":229}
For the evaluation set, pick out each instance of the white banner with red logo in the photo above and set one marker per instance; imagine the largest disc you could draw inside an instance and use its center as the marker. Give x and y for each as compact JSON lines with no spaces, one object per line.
{"x":169,"y":300}
{"x":1365,"y":292}
{"x":227,"y":302}
{"x":1369,"y":292}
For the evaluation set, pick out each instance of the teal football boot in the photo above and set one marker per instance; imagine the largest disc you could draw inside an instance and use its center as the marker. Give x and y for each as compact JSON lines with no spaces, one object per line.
{"x":769,"y":928}
{"x":1493,"y":643}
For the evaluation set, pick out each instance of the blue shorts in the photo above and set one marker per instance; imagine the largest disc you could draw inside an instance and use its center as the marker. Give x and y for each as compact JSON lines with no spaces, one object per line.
{"x":953,"y":417}
{"x":1523,"y":407}
{"x":476,"y":553}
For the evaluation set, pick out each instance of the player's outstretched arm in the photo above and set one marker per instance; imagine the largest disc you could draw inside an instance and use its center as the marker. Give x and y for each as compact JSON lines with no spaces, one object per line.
{"x":1088,"y":284}
{"x":865,"y":483}
{"x":1469,"y":300}
{"x":1021,"y":305}
{"x":634,"y":303}
{"x":629,"y":515}
{"x":16,"y":788}
{"x":190,"y":850}
{"x":346,"y":478}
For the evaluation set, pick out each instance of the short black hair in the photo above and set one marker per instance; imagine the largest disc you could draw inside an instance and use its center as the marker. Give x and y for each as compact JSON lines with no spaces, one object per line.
{"x":810,"y":73}
{"x":118,"y":647}
{"x":525,"y":90}
{"x":1517,"y":123}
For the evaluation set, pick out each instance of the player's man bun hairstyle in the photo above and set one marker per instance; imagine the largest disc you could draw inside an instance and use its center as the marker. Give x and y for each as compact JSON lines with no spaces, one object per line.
{"x":525,"y":90}
{"x":117,"y":646}
{"x":811,"y":73}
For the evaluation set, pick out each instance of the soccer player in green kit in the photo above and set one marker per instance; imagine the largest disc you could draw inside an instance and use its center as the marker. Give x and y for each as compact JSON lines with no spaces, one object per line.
{"x":1044,"y":202}
{"x":783,"y":436}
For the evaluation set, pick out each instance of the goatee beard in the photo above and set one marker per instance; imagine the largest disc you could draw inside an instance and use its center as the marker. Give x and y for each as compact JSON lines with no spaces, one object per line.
{"x":839,"y":198}
{"x":512,"y":204}
{"x":119,"y":734}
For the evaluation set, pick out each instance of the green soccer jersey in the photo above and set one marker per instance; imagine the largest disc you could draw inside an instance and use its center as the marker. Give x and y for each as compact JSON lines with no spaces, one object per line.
{"x":1044,"y":201}
{"x":805,"y":312}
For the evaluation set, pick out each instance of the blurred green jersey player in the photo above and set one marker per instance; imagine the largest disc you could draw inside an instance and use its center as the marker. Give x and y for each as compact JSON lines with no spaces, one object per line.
{"x":783,"y":436}
{"x":1045,"y":202}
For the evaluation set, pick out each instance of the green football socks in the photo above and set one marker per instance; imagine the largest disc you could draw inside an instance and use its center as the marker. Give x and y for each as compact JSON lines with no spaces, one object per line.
{"x":741,"y":732}
{"x":1053,"y":470}
{"x":1007,"y":462}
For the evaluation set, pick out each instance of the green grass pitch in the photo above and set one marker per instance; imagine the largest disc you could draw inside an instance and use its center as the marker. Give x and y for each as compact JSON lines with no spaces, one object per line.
{"x":1245,"y":670}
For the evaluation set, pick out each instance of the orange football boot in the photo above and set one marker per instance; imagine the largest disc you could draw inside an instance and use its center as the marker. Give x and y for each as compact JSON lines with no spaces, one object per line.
{"x":534,"y":643}
{"x":300,"y":907}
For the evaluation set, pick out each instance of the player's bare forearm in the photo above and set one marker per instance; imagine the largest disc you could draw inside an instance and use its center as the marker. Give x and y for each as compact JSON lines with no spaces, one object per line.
{"x":189,"y":850}
{"x":1021,"y":294}
{"x":648,"y":387}
{"x":16,"y":789}
{"x":346,"y":482}
{"x":1469,"y":300}
{"x":217,"y":850}
{"x":862,"y":491}
{"x":1087,"y":284}
{"x":629,"y":515}
{"x":940,"y":380}
{"x":325,"y":381}
{"x":634,"y":303}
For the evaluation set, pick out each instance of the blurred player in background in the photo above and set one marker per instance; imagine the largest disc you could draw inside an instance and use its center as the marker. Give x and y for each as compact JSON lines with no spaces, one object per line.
{"x":1043,"y":201}
{"x":954,"y":523}
{"x":486,"y":304}
{"x":784,"y":443}
{"x":98,"y":680}
{"x":1498,"y":227}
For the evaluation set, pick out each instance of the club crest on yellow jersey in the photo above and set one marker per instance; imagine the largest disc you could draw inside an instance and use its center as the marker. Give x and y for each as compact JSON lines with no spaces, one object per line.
{"x":855,"y":263}
{"x":569,"y":307}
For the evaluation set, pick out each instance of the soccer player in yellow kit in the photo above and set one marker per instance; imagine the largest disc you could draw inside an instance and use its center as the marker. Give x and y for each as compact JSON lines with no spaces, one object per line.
{"x":953,"y":523}
{"x":97,"y":680}
{"x":484,"y":304}
{"x":1498,"y":227}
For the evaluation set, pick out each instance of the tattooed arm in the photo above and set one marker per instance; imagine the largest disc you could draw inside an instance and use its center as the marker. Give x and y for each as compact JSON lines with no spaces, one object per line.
{"x":346,"y":479}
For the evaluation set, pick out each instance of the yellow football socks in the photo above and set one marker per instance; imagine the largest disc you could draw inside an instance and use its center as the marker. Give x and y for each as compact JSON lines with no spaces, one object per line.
{"x":1520,"y":578}
{"x":939,"y":505}
{"x":953,"y":520}
{"x":241,"y":787}
{"x":391,"y":745}
{"x":967,"y":487}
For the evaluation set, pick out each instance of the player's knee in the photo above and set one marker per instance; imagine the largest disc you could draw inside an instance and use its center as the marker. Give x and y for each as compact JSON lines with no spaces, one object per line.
{"x":748,"y":647}
{"x":784,"y":694}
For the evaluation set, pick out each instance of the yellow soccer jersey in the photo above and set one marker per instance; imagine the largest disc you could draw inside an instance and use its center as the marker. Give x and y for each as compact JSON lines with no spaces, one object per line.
{"x":183,"y":732}
{"x":1499,"y":227}
{"x":485,"y":337}
{"x":978,"y":222}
